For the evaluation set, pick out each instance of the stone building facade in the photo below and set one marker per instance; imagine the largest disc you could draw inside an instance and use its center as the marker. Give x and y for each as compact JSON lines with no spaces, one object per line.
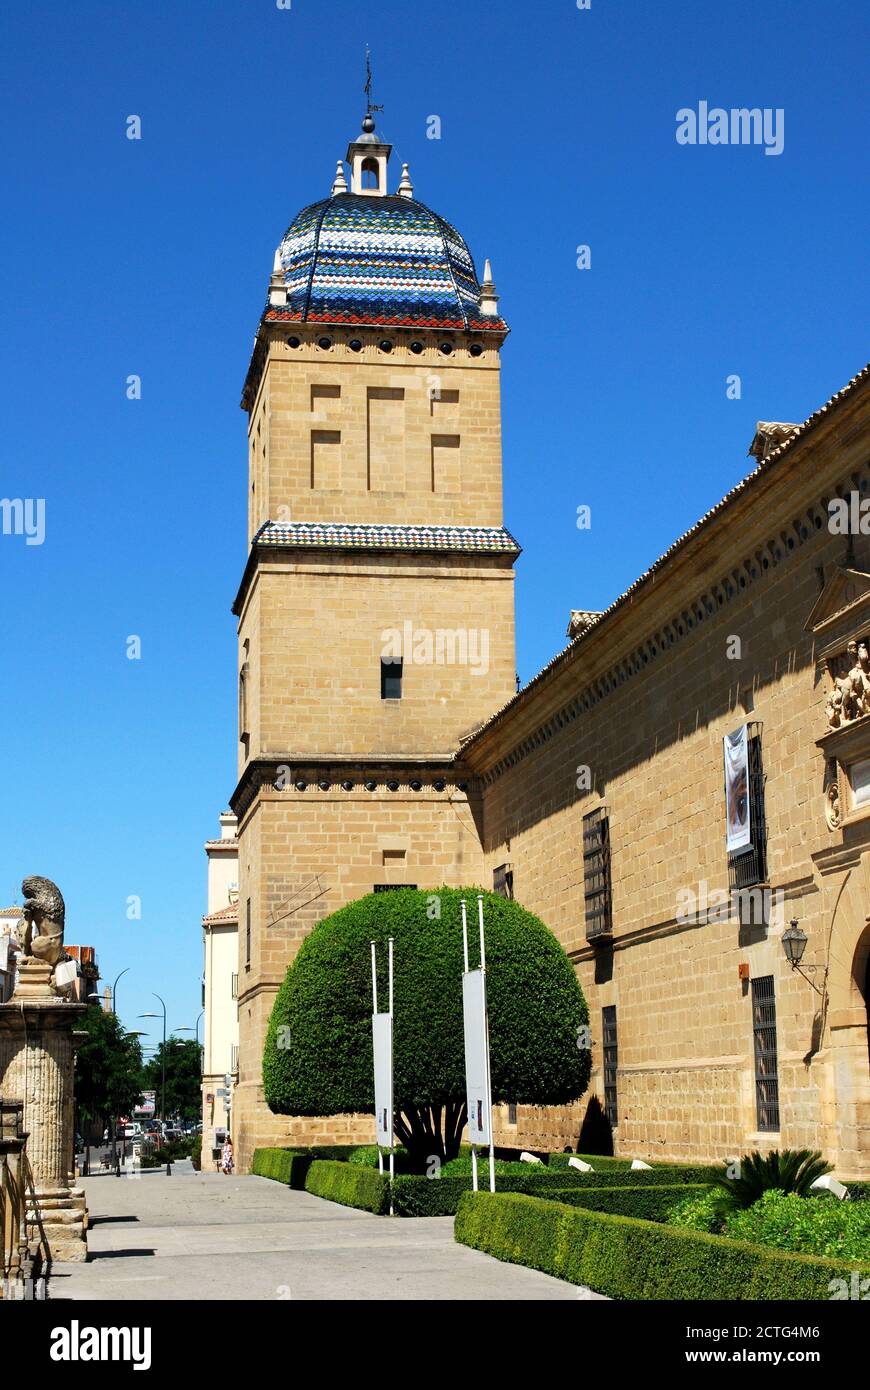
{"x":596,"y":793}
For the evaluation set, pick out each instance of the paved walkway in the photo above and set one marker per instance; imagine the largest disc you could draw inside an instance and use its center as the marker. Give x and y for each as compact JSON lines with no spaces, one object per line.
{"x":204,"y":1236}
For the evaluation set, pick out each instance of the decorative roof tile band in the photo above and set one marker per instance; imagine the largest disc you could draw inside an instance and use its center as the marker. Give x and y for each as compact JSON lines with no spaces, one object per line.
{"x":391,"y":260}
{"x":359,"y":536}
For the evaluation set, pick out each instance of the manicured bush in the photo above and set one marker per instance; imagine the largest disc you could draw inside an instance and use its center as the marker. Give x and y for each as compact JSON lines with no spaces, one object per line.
{"x":283,"y":1165}
{"x":700,"y":1212}
{"x":417,"y":1196}
{"x":626,"y":1258}
{"x":462,"y":1166}
{"x":318,"y":1051}
{"x":290,"y":1166}
{"x":646,"y":1203}
{"x":815,"y":1226}
{"x":349,"y":1185}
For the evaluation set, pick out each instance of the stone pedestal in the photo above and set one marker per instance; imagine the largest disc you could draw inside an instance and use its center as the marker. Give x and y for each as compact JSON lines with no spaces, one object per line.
{"x":37,"y":1047}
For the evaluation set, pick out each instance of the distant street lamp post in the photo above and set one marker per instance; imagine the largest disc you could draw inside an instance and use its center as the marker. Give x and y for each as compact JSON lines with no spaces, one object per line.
{"x":115,"y":991}
{"x":162,"y":1057}
{"x":133,"y":1033}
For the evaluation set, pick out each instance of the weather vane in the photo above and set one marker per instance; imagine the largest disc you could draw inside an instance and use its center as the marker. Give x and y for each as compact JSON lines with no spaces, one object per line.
{"x":370,"y":107}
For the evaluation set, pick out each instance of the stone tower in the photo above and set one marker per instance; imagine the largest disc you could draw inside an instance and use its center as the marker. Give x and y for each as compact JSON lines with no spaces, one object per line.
{"x":376,"y":609}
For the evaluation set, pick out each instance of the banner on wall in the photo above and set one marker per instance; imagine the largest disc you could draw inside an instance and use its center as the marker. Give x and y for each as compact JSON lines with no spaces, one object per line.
{"x":738,"y":829}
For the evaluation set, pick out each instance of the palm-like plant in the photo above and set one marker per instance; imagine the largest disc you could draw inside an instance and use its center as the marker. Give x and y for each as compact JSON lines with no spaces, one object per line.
{"x":793,"y":1170}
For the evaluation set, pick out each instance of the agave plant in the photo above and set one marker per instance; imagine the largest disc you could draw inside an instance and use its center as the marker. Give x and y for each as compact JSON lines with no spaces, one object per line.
{"x":793,"y":1170}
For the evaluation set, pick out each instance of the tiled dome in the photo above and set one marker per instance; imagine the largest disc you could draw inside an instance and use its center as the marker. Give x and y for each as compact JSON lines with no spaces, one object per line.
{"x":353,"y":258}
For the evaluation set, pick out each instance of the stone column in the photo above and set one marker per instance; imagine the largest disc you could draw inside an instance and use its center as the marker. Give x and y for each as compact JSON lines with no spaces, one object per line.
{"x":38,"y":1039}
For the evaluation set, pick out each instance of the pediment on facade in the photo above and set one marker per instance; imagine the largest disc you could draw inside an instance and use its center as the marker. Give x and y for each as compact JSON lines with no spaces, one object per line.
{"x":844,"y":600}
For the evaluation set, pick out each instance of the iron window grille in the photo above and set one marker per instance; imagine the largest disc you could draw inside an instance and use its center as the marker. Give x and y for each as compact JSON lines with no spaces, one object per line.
{"x":748,"y":866}
{"x":764,"y":1035}
{"x":596,"y":874}
{"x":248,"y":932}
{"x":392,"y":887}
{"x":611,"y":1058}
{"x":503,"y":881}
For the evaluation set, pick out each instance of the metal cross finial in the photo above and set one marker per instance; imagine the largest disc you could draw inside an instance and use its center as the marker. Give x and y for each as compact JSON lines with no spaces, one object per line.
{"x":370,"y":107}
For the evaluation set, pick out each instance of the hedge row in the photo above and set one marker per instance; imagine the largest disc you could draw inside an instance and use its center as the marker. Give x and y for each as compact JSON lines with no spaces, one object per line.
{"x":291,"y":1166}
{"x":349,"y":1185}
{"x":626,"y":1258}
{"x":646,"y":1203}
{"x":416,"y":1196}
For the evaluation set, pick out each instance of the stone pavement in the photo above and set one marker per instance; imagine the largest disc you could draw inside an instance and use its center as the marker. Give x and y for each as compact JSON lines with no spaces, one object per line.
{"x":203,"y":1236}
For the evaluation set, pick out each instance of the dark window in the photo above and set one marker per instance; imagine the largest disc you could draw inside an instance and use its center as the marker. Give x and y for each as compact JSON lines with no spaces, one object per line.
{"x":391,"y":887}
{"x":764,"y":1030}
{"x":596,"y":874}
{"x":608,"y":1031}
{"x":248,"y":932}
{"x":391,"y":678}
{"x":512,"y":1114}
{"x":503,"y":881}
{"x":748,"y":866}
{"x":234,"y":987}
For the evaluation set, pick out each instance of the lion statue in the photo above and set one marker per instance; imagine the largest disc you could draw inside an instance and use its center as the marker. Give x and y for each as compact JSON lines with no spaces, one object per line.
{"x":44,"y":914}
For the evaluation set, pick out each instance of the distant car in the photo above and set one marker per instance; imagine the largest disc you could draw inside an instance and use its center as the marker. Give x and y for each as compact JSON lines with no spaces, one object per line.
{"x":170,"y":1133}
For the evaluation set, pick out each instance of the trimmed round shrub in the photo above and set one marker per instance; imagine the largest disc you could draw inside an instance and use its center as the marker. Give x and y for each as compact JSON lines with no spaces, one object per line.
{"x":318,"y":1053}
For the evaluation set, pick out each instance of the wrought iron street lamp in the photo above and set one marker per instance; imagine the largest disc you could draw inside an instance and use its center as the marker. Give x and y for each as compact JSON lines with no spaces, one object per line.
{"x":794,"y":943}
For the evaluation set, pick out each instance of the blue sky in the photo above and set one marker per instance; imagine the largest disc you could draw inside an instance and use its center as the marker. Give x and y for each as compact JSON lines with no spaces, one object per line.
{"x":152,"y":257}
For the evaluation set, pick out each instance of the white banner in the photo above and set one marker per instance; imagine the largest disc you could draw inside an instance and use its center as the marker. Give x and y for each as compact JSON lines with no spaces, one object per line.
{"x":476,"y":1088}
{"x":738,"y":830}
{"x":382,"y":1044}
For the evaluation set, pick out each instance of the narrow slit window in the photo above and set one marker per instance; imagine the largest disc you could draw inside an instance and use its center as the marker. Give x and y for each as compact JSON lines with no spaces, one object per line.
{"x":391,"y":678}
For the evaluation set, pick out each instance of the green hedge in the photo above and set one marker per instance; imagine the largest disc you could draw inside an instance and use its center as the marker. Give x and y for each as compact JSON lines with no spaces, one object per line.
{"x":626,"y":1258}
{"x":646,"y":1203}
{"x":291,"y":1166}
{"x":417,"y":1196}
{"x":349,"y":1185}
